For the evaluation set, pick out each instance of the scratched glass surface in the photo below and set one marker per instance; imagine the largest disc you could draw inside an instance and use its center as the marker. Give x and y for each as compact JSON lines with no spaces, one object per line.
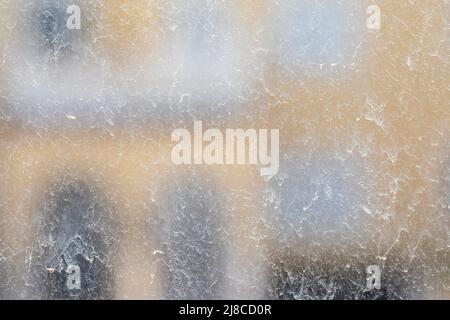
{"x":93,"y":207}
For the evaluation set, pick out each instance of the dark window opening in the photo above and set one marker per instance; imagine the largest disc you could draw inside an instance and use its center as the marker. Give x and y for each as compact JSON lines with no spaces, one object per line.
{"x":71,"y":257}
{"x":194,"y":248}
{"x":55,"y":39}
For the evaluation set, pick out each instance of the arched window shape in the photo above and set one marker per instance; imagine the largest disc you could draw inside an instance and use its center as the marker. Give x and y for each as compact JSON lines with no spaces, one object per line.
{"x":322,"y":225}
{"x":318,"y":32}
{"x":72,"y":255}
{"x":50,"y":19}
{"x":204,"y":51}
{"x":63,"y":63}
{"x":195,"y":262}
{"x":202,"y":35}
{"x":320,"y":198}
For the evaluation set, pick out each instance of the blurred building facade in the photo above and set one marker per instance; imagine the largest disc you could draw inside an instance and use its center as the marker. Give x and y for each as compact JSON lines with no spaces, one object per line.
{"x":86,"y":177}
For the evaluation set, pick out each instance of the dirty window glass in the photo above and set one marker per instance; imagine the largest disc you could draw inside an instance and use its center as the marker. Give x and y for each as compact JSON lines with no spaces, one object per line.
{"x":202,"y":149}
